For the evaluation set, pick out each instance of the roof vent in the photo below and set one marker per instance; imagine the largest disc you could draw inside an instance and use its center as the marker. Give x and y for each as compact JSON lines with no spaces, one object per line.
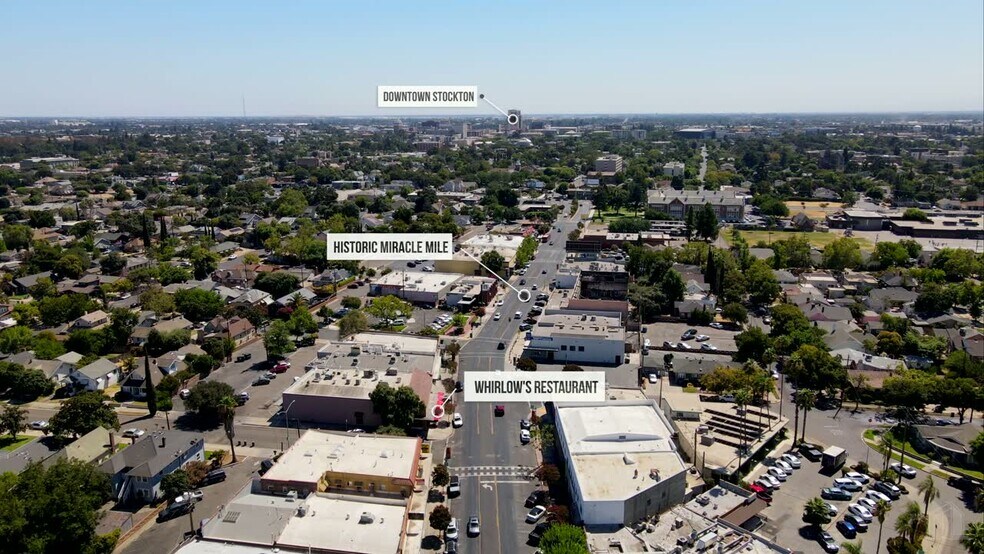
{"x":627,"y":459}
{"x":367,"y":517}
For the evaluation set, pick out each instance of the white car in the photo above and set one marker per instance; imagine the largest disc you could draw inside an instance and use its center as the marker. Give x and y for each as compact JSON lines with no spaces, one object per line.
{"x":185,"y":393}
{"x":653,"y":378}
{"x":860,"y":511}
{"x":192,"y":496}
{"x":875,"y":496}
{"x":850,"y":485}
{"x":524,"y":436}
{"x":702,"y":338}
{"x":427,"y":269}
{"x":786,"y":468}
{"x":452,"y":531}
{"x":684,"y":346}
{"x":499,"y":302}
{"x":497,"y":316}
{"x":868,"y":503}
{"x":457,"y":421}
{"x":771,"y":480}
{"x":39,"y":425}
{"x":474,"y":527}
{"x":717,"y":325}
{"x":904,"y":470}
{"x":791,"y":459}
{"x":535,"y":514}
{"x":133,"y":433}
{"x":859,"y":477}
{"x":777,"y":473}
{"x":831,"y":509}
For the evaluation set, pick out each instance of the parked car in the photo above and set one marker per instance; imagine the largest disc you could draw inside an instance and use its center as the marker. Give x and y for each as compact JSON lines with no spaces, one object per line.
{"x":535,"y":514}
{"x":243,"y":357}
{"x":904,"y":470}
{"x":39,"y":425}
{"x":457,"y":420}
{"x":708,"y":347}
{"x":812,"y":454}
{"x":859,"y":477}
{"x":772,"y":481}
{"x":867,"y":502}
{"x":702,"y":338}
{"x":242,"y":398}
{"x":173,"y":511}
{"x":190,"y":496}
{"x":831,"y":509}
{"x":524,"y":424}
{"x":765,"y":484}
{"x":537,"y":533}
{"x":786,"y":468}
{"x":860,"y":511}
{"x":133,"y":433}
{"x":876,"y":495}
{"x":684,"y":346}
{"x":847,"y":529}
{"x":688,"y":334}
{"x":524,"y":436}
{"x":716,"y":325}
{"x":535,"y":497}
{"x":452,"y":530}
{"x":791,"y":459}
{"x":454,"y":486}
{"x":834,"y":493}
{"x":964,"y":483}
{"x":777,"y":473}
{"x":260,"y":381}
{"x":847,"y":484}
{"x":212,"y":477}
{"x":827,"y":542}
{"x":859,"y":523}
{"x":890,"y":489}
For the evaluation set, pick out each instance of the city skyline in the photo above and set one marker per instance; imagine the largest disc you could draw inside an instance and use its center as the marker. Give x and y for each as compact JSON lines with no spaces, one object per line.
{"x":312,"y":59}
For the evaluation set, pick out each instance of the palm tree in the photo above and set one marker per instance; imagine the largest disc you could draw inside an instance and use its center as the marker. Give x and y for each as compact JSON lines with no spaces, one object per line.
{"x":227,"y":411}
{"x":805,"y":400}
{"x":973,"y":538}
{"x":881,"y":510}
{"x":858,"y":383}
{"x":909,"y":522}
{"x":929,"y":492}
{"x":885,"y":445}
{"x":816,"y":512}
{"x":852,"y":547}
{"x":742,"y":398}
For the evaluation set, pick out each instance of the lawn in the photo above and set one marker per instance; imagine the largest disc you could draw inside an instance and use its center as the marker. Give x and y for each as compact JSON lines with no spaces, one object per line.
{"x":816,"y":239}
{"x":609,"y":216}
{"x":815,"y":210}
{"x":8,"y":444}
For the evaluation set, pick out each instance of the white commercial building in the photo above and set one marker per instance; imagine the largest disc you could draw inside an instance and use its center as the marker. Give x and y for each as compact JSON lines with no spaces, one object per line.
{"x":674,"y":169}
{"x":621,"y":462}
{"x":577,"y":338}
{"x":418,"y":287}
{"x":610,"y":163}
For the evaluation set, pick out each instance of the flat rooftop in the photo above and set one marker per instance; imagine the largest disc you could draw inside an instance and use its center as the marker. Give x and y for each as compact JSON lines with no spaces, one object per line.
{"x":256,"y":519}
{"x":618,"y":448}
{"x":338,"y":523}
{"x":608,"y":267}
{"x":572,"y":325}
{"x":318,"y":452}
{"x":418,"y":280}
{"x":493,"y":242}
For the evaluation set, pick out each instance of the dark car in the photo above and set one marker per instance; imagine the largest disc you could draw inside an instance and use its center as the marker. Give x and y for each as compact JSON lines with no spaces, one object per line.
{"x":243,"y":357}
{"x":888,"y":489}
{"x":764,"y":496}
{"x":265,"y":465}
{"x":859,"y":523}
{"x":213,"y":477}
{"x":260,"y":381}
{"x":451,"y":547}
{"x":537,"y":533}
{"x":174,"y":510}
{"x":502,"y":346}
{"x":535,"y":498}
{"x":459,"y":386}
{"x":847,"y":529}
{"x":811,"y":452}
{"x":499,"y":410}
{"x":835,"y":493}
{"x":964,"y":483}
{"x":526,"y":327}
{"x":522,"y":281}
{"x":454,"y":486}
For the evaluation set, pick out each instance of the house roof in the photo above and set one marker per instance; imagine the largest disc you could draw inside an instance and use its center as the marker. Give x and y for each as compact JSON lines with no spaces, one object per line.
{"x":99,"y":368}
{"x":150,"y":455}
{"x":88,"y":448}
{"x":29,"y":281}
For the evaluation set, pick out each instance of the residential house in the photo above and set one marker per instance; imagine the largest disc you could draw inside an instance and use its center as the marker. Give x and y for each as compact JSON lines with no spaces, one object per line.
{"x":91,"y":320}
{"x":967,"y":339}
{"x":56,"y":370}
{"x":898,"y":278}
{"x":882,"y":300}
{"x":858,"y":360}
{"x":135,"y":384}
{"x":94,"y":447}
{"x":134,"y":263}
{"x":151,"y":323}
{"x":305,"y":294}
{"x":253,"y":298}
{"x":329,"y":277}
{"x":949,"y":443}
{"x":237,"y":328}
{"x":136,"y":471}
{"x":97,"y":375}
{"x":821,"y":311}
{"x":23,"y":285}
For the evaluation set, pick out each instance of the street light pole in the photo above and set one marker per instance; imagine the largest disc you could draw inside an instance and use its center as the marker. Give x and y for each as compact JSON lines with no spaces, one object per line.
{"x":287,"y":421}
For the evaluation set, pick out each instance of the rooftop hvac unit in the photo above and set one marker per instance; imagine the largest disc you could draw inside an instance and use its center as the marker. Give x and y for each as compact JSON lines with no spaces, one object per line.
{"x":368,"y":373}
{"x":367,"y":517}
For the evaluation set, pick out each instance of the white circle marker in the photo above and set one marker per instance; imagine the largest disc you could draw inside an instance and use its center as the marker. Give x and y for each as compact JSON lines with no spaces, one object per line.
{"x":512,"y":119}
{"x":524,"y":295}
{"x":437,"y":412}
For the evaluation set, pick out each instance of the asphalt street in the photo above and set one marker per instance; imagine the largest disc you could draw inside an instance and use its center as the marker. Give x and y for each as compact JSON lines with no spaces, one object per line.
{"x":486,"y":452}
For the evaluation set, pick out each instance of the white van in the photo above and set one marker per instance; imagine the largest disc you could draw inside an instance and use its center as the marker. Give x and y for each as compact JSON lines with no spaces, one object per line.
{"x":518,"y":315}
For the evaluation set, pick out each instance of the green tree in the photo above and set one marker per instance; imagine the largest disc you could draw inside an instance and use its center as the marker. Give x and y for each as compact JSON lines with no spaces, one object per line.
{"x":277,"y":283}
{"x":973,"y":538}
{"x":175,"y":484}
{"x":880,"y":512}
{"x":493,"y":261}
{"x":564,"y":538}
{"x":227,"y":413}
{"x":206,"y":398}
{"x":815,"y":512}
{"x":440,"y":476}
{"x":707,"y":223}
{"x":525,"y":364}
{"x":302,"y":322}
{"x":277,"y":339}
{"x":83,"y":413}
{"x":762,"y":284}
{"x":352,"y":302}
{"x":910,"y":522}
{"x":389,"y":308}
{"x":290,"y":203}
{"x":396,"y":406}
{"x":157,"y":301}
{"x":805,"y":401}
{"x":352,"y":323}
{"x":12,"y":419}
{"x":440,"y":517}
{"x":890,"y":344}
{"x":840,"y":254}
{"x":112,"y":264}
{"x":735,"y":312}
{"x":16,"y":339}
{"x":203,"y":261}
{"x":197,"y":304}
{"x":752,"y":344}
{"x":891,"y":254}
{"x":928,"y":491}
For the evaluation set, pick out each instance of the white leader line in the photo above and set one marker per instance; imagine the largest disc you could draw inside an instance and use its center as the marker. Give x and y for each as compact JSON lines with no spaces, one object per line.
{"x":467,"y":253}
{"x":500,"y":110}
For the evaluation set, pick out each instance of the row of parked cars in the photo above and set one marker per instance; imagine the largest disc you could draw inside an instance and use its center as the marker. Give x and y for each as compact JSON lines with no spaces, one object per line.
{"x":860,"y":513}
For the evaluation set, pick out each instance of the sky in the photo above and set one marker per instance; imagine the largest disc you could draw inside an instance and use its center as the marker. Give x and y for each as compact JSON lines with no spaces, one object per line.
{"x":323,"y":58}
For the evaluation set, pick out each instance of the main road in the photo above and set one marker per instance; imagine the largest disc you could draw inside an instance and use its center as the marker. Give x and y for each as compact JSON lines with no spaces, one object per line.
{"x":486,"y":453}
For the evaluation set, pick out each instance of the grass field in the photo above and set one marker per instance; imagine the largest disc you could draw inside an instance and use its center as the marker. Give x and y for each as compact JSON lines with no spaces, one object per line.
{"x":8,"y":444}
{"x":609,"y":216}
{"x":816,"y":239}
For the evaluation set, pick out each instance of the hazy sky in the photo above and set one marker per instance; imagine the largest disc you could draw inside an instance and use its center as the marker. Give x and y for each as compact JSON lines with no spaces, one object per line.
{"x":184,"y":58}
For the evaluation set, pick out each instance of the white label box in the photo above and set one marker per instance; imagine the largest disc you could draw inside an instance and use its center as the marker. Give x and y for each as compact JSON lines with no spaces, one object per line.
{"x":390,"y":246}
{"x":426,"y":96}
{"x":534,"y":386}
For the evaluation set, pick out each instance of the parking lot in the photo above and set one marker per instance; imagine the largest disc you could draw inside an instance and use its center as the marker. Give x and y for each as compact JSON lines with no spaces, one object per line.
{"x":785,"y":514}
{"x":658,"y":333}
